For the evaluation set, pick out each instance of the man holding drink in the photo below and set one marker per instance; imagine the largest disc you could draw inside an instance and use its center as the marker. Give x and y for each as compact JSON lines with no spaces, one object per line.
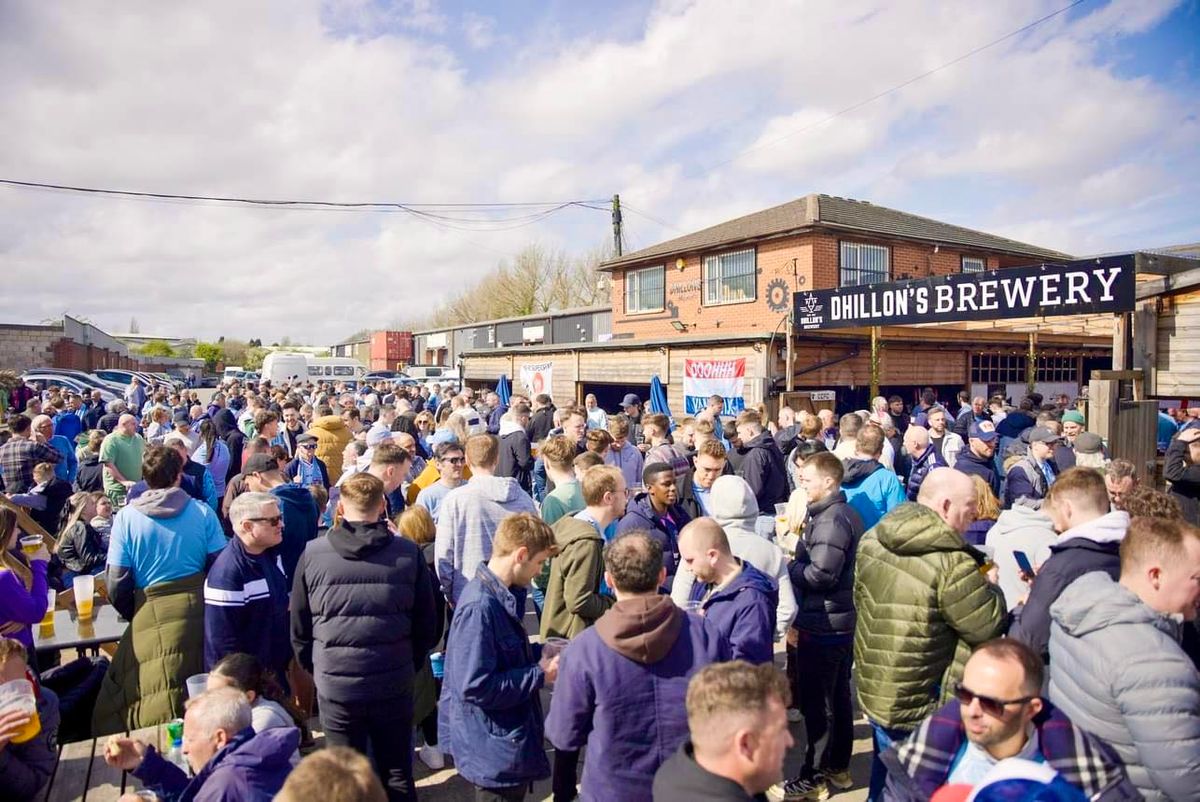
{"x":27,"y":755}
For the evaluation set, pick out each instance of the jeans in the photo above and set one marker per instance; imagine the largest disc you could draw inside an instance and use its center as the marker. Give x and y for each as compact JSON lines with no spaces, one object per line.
{"x":823,"y":694}
{"x":380,"y":728}
{"x":513,"y":793}
{"x":883,"y":738}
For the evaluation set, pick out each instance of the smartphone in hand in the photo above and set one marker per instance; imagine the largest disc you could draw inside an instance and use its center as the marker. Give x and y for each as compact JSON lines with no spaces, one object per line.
{"x":1023,"y":562}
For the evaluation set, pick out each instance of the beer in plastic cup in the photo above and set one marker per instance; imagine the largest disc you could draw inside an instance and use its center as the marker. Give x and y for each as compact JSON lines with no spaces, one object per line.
{"x":30,"y":544}
{"x":696,"y":607}
{"x":48,"y":619}
{"x":19,"y":695}
{"x":85,"y":589}
{"x":437,"y":663}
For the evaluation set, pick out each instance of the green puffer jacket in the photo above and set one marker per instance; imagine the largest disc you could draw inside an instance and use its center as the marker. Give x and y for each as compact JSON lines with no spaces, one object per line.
{"x":163,"y":646}
{"x":922,"y":606}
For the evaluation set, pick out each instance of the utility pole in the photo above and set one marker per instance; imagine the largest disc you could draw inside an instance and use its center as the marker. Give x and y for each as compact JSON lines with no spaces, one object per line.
{"x":616,"y":220}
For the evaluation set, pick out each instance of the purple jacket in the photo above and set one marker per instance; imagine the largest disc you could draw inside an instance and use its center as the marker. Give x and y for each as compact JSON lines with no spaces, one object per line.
{"x":251,"y":768}
{"x":621,"y":689}
{"x":744,"y":612}
{"x":21,"y":606}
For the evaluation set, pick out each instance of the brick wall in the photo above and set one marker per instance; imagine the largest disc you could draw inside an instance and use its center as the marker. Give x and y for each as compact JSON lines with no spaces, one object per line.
{"x":25,"y":347}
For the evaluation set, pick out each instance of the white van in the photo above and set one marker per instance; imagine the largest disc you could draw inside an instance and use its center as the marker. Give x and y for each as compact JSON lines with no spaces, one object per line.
{"x":232,"y":372}
{"x":279,"y":367}
{"x":335,"y":369}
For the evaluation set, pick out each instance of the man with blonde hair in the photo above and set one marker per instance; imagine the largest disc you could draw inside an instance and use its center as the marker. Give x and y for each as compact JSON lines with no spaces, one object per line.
{"x":738,"y":735}
{"x":493,"y":673}
{"x":334,"y":774}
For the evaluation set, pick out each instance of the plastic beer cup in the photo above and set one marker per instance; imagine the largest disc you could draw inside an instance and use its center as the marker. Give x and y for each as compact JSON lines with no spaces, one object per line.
{"x":30,"y":544}
{"x":85,"y":589}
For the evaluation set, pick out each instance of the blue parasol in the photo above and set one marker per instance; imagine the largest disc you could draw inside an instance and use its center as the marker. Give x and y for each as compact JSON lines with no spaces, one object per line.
{"x":658,"y":397}
{"x":503,"y":390}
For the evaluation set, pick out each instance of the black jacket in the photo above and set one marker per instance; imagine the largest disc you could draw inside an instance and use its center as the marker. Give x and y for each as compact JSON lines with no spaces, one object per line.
{"x":983,"y":467}
{"x":516,"y":460}
{"x":80,"y":549}
{"x":58,"y":493}
{"x":541,"y":423}
{"x":1068,"y":561}
{"x":682,"y":778}
{"x":1184,"y":479}
{"x":823,"y":571}
{"x":764,"y":470}
{"x":90,"y":478}
{"x":363,"y":613}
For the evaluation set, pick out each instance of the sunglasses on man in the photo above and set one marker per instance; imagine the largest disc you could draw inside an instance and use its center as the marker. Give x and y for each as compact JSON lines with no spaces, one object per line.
{"x":274,"y":520}
{"x":990,"y":705}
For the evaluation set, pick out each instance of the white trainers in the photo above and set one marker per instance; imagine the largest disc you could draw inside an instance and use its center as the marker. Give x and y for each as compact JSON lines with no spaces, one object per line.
{"x":432,"y":757}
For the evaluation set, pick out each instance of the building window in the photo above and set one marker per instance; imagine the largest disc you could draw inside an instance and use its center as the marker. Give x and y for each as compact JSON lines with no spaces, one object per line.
{"x":973,"y":264}
{"x":864,"y":264}
{"x":1010,"y":369}
{"x":729,"y":278}
{"x":645,"y":290}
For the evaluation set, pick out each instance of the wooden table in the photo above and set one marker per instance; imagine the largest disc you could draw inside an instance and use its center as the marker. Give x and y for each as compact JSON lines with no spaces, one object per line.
{"x":106,"y":626}
{"x":82,"y":774}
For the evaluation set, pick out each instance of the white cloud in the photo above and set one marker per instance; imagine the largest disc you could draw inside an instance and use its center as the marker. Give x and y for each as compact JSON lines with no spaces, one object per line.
{"x":1038,"y":138}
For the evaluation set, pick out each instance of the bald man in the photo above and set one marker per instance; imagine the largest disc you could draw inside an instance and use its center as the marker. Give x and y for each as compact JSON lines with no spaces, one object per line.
{"x":923,"y":603}
{"x":923,"y":458}
{"x":121,"y":455}
{"x":733,"y":594}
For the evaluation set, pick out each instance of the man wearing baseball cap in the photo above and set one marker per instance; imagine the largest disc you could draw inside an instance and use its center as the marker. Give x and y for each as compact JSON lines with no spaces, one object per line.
{"x":1030,"y":479}
{"x":631,"y":406}
{"x":976,"y":460}
{"x":296,"y":504}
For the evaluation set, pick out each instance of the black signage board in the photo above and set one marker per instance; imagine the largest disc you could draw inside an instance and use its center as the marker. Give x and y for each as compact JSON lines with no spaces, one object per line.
{"x":1081,"y":287}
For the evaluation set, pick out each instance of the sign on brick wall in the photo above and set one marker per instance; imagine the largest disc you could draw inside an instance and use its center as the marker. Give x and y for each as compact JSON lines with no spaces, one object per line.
{"x":1085,"y":286}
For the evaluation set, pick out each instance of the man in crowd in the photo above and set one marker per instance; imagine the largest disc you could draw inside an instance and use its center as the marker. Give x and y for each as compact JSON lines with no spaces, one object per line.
{"x":573,"y":598}
{"x":292,"y":429}
{"x":492,"y":673}
{"x":977,"y":412}
{"x":947,"y":443}
{"x":738,"y":735}
{"x":1089,"y":540}
{"x":450,"y":460}
{"x":566,"y":498}
{"x":1120,"y":479}
{"x":623,"y":454}
{"x":1029,"y":479}
{"x":470,"y":514}
{"x":68,"y":467}
{"x":656,"y":510}
{"x":849,"y":426}
{"x":871,"y":489}
{"x":763,"y":468}
{"x":734,"y":596}
{"x":655,"y":428}
{"x":297,"y":506}
{"x":542,"y":420}
{"x":823,"y":578}
{"x":923,"y":458}
{"x":390,"y":464}
{"x":624,"y":681}
{"x":363,"y":622}
{"x":978,"y":458}
{"x":306,"y":469}
{"x":21,"y":453}
{"x":121,"y":454}
{"x":516,"y":456}
{"x":1116,"y":666}
{"x":26,"y":767}
{"x":246,"y":591}
{"x":998,"y":713}
{"x":1181,"y":467}
{"x":710,"y":464}
{"x":228,"y":759}
{"x":921,"y":602}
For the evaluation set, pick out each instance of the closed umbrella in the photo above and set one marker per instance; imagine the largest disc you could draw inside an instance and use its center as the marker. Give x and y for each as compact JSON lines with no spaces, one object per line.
{"x":503,"y":390}
{"x":658,"y":397}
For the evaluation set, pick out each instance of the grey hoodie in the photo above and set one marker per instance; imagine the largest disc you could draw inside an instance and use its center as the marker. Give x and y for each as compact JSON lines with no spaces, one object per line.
{"x":1117,"y":671}
{"x":467,"y":522}
{"x":734,"y":506}
{"x":1019,"y":529}
{"x":166,"y":503}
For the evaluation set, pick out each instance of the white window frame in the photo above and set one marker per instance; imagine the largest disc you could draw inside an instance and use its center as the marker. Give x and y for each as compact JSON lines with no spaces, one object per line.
{"x":722,"y":296}
{"x":857,"y":252}
{"x":978,"y":264}
{"x":633,"y":290}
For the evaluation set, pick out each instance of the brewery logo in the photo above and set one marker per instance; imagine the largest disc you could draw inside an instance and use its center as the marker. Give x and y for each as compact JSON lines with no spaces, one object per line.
{"x":778,"y":295}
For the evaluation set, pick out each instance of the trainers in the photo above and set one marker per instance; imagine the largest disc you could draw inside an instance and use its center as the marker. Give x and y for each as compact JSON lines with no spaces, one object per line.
{"x":794,"y":715}
{"x":813,"y":790}
{"x":432,"y":757}
{"x":841,"y":780}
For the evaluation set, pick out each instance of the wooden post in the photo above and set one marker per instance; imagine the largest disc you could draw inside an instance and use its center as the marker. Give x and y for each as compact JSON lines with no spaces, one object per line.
{"x":1145,"y":344}
{"x":1121,"y":341}
{"x":1031,"y":365}
{"x":874,"y":364}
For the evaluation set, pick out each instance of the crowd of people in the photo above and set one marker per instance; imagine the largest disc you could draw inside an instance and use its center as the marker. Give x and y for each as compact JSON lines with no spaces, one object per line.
{"x":981,"y":580}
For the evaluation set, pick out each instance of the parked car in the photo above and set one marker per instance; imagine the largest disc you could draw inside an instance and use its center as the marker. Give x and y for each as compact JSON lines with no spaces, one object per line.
{"x":383,"y":375}
{"x":123,"y":377}
{"x":83,"y":376}
{"x":70,"y":383}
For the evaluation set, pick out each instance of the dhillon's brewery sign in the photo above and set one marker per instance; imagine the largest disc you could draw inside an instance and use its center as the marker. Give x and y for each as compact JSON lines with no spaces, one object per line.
{"x":1080,"y":287}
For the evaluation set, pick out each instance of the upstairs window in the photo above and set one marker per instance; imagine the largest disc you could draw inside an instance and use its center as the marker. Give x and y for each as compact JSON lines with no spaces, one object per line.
{"x":729,"y":278}
{"x":862,"y":264}
{"x":645,"y":290}
{"x":973,"y":264}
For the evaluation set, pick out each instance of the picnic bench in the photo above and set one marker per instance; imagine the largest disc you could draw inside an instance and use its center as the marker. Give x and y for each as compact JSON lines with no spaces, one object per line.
{"x":82,"y":774}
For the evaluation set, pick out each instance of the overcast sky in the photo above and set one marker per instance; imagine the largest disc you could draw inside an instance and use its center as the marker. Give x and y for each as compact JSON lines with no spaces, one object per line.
{"x":1081,"y":135}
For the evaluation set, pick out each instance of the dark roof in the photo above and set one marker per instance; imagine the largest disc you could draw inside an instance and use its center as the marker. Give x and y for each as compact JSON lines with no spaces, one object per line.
{"x":827,"y":211}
